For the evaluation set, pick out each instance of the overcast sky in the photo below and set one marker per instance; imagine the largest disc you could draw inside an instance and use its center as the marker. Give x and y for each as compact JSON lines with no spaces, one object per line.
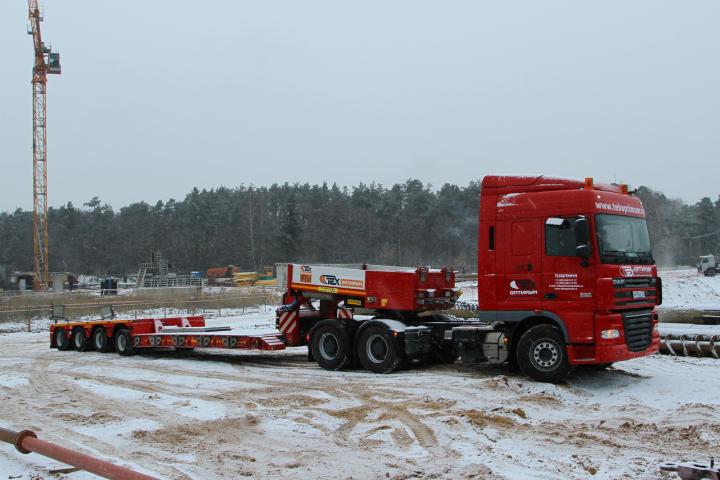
{"x":158,"y":97}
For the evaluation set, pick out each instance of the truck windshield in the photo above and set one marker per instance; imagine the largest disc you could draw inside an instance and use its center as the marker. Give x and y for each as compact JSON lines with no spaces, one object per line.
{"x":623,"y":239}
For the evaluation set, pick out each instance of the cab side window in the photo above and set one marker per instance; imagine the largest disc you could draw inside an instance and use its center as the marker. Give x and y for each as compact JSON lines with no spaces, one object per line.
{"x":560,"y":237}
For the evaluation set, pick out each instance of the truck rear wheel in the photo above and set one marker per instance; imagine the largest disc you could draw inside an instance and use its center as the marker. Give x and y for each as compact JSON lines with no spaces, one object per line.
{"x":123,"y":342}
{"x":330,"y":345}
{"x":79,"y":340}
{"x":541,"y":354}
{"x":377,"y":350}
{"x":62,"y":340}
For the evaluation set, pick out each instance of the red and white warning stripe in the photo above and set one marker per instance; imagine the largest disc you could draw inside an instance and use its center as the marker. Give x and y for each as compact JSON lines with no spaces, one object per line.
{"x":271,"y":339}
{"x":344,"y":313}
{"x":287,"y":322}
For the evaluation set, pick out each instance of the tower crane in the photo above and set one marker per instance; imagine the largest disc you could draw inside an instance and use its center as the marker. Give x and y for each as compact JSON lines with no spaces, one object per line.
{"x":46,"y":62}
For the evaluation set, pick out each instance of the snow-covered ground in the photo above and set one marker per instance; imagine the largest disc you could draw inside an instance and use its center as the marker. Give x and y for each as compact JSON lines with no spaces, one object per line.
{"x":211,"y":415}
{"x":274,"y":415}
{"x":687,"y":289}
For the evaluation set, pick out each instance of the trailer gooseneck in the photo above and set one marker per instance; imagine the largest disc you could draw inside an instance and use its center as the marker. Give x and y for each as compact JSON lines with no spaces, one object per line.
{"x":565,"y":277}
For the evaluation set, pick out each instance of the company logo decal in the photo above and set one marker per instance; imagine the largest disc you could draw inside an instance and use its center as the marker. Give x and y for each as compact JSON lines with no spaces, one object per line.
{"x":523,"y":287}
{"x":341,"y":282}
{"x":306,"y":268}
{"x":636,"y":271}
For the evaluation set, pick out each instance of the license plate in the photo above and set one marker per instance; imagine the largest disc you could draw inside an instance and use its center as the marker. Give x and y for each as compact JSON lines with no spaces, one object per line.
{"x":639,"y":294}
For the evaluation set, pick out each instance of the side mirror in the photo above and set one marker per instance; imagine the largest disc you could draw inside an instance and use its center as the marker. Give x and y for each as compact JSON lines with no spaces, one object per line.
{"x":582,"y":231}
{"x":583,"y":251}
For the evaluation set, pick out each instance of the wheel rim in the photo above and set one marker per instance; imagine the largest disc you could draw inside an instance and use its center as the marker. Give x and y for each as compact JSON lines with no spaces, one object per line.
{"x":60,"y":338}
{"x":376,"y":348}
{"x":99,"y":339}
{"x":545,"y":355}
{"x":121,"y":342}
{"x":78,"y":337}
{"x":329,"y":346}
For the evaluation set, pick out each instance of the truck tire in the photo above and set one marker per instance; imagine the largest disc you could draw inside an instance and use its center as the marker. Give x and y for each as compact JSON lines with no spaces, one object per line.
{"x":62,"y":340}
{"x":377,"y":350}
{"x":541,"y":354}
{"x":124,"y":343}
{"x":331,"y":345}
{"x":710,"y":272}
{"x":100,"y":340}
{"x":80,"y":340}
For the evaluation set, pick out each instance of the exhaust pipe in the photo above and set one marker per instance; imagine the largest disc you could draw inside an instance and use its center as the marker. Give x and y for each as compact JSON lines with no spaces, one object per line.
{"x":26,"y":441}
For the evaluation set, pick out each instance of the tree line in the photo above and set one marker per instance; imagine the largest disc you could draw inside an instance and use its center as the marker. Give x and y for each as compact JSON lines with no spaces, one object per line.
{"x":406,"y":224}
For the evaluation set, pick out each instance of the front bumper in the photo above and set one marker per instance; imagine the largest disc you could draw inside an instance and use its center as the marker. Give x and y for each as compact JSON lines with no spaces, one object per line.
{"x":608,"y":352}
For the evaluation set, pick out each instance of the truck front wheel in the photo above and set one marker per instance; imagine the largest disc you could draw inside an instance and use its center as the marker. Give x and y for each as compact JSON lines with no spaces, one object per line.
{"x":377,"y":350}
{"x":710,"y":272}
{"x":330,"y":345}
{"x":541,"y":354}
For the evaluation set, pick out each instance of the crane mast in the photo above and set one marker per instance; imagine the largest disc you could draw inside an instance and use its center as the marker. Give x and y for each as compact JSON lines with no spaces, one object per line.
{"x":46,"y":62}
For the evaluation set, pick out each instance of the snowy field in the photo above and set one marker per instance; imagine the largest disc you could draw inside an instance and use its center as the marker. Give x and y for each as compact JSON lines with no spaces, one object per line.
{"x":211,"y":415}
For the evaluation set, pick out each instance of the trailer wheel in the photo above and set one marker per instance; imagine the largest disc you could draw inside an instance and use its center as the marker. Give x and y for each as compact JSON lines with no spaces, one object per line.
{"x":123,"y":342}
{"x":331,"y":345}
{"x":62,"y":341}
{"x":100,"y":340}
{"x":541,"y":354}
{"x":377,"y":350}
{"x":79,"y":340}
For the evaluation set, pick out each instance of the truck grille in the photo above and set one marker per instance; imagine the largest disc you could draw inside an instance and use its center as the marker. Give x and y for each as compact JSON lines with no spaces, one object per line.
{"x":624,"y":288}
{"x":638,"y":330}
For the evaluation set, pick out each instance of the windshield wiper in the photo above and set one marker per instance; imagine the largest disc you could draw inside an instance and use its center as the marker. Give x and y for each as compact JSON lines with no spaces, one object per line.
{"x":646,"y":256}
{"x":621,"y":256}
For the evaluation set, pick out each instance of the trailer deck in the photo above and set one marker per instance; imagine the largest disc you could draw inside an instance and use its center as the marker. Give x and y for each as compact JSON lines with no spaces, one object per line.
{"x":172,"y":332}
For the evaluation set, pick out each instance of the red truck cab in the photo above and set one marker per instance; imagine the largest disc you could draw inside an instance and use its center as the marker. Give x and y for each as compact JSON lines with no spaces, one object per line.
{"x":567,"y":265}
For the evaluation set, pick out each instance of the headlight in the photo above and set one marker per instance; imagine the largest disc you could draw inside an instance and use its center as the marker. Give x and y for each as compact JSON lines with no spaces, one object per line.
{"x":610,"y":334}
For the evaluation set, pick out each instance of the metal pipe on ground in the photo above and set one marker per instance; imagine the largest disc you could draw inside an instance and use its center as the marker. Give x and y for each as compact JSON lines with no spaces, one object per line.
{"x":690,"y":340}
{"x":26,"y":441}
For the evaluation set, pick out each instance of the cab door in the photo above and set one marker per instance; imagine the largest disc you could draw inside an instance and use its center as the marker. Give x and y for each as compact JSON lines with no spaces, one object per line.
{"x":568,"y":280}
{"x":520,"y":288}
